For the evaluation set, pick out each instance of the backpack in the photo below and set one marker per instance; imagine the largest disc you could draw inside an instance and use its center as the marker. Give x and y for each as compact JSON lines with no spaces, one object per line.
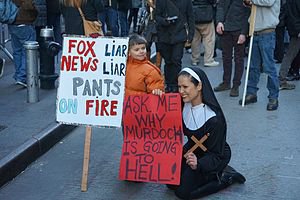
{"x":8,"y":12}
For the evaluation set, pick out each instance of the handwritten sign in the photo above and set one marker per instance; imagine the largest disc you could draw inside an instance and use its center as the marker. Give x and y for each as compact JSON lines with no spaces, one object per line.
{"x":153,"y":138}
{"x":91,"y":83}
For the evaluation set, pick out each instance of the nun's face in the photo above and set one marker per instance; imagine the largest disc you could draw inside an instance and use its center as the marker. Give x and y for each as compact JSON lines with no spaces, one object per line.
{"x":189,"y":91}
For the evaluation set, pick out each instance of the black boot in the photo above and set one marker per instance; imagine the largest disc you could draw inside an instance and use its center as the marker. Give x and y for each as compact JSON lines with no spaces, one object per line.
{"x":230,"y":176}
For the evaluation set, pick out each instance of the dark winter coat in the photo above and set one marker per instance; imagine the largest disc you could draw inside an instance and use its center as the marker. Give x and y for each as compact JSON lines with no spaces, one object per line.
{"x":53,"y":6}
{"x":124,"y":4}
{"x":27,"y":13}
{"x":234,"y":15}
{"x":41,"y":7}
{"x":114,"y":3}
{"x":293,"y":17}
{"x":172,"y":33}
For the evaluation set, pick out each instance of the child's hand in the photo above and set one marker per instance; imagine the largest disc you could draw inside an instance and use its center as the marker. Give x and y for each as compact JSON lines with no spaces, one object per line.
{"x":158,"y":92}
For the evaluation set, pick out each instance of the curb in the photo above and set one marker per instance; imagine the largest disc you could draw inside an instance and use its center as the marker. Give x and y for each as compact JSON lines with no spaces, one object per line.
{"x":18,"y":160}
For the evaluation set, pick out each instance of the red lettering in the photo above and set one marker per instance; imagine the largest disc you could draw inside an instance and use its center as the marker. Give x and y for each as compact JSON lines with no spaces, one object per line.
{"x":88,"y":105}
{"x":71,"y":45}
{"x":90,"y":48}
{"x":113,"y":108}
{"x":101,"y":108}
{"x":104,"y":104}
{"x":65,"y":62}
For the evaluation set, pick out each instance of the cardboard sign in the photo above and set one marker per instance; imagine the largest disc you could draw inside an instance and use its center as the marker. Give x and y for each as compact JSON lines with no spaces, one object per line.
{"x":91,"y":82}
{"x":153,"y":138}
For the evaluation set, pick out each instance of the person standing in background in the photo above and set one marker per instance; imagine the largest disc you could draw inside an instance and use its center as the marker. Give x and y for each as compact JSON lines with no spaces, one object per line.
{"x":124,"y":6}
{"x":109,"y":18}
{"x":204,"y":32}
{"x":266,"y":20}
{"x":233,"y":35}
{"x":53,"y":19}
{"x":22,"y":30}
{"x":292,"y":20}
{"x":41,"y":20}
{"x":133,"y":14}
{"x":175,"y":27}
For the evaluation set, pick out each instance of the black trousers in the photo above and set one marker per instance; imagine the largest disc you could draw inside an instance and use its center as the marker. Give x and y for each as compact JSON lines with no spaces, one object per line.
{"x":279,"y":45}
{"x":230,"y":46}
{"x":172,"y":55}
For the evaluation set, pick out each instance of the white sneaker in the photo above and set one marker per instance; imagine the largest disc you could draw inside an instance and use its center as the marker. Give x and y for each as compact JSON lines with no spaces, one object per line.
{"x":189,"y":50}
{"x":212,"y":64}
{"x":21,"y":83}
{"x":194,"y":63}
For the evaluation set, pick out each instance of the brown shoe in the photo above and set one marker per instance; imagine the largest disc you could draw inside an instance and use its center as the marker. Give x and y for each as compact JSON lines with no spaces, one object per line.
{"x":250,"y":98}
{"x":222,"y":87}
{"x":234,"y":92}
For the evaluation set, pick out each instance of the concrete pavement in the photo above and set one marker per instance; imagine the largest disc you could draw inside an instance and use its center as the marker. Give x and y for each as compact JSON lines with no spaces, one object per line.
{"x":27,"y":130}
{"x":265,"y":148}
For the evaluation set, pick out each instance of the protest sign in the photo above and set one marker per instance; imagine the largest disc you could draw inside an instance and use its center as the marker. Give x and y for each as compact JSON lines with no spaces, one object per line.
{"x":153,"y":138}
{"x":91,"y":83}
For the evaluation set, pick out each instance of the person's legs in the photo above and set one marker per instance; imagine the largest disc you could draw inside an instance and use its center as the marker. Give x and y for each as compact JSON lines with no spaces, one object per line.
{"x":292,"y":52}
{"x":195,"y":46}
{"x":255,"y":64}
{"x":267,"y":46}
{"x":53,"y":19}
{"x":189,"y":181}
{"x":19,"y":35}
{"x":239,"y":50}
{"x":113,"y":21}
{"x":172,"y":55}
{"x":227,"y":47}
{"x":135,"y":18}
{"x":209,"y":38}
{"x":279,"y":46}
{"x":175,"y":68}
{"x":123,"y":23}
{"x":102,"y":17}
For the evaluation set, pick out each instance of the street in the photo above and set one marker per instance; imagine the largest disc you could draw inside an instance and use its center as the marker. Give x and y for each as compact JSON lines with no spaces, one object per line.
{"x":265,"y":149}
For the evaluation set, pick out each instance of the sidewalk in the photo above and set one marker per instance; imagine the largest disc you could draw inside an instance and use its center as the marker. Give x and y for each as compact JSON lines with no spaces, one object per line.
{"x":27,"y":130}
{"x":265,"y":149}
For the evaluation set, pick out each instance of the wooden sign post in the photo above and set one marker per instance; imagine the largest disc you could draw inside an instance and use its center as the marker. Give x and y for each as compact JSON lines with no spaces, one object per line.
{"x":86,"y":158}
{"x":91,"y":86}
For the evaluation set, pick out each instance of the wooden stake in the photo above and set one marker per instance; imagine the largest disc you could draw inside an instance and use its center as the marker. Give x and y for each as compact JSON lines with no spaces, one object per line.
{"x":251,"y":32}
{"x":86,"y":159}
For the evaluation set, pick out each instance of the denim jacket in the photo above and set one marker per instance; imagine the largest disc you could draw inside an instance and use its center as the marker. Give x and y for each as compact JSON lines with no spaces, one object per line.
{"x":8,"y":12}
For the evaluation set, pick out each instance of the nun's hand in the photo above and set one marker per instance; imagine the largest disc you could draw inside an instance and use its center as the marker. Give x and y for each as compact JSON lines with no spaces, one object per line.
{"x":157,"y":92}
{"x":191,"y":160}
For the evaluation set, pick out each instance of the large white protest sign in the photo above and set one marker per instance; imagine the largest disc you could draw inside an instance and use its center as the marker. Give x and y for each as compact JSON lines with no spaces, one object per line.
{"x":91,"y":83}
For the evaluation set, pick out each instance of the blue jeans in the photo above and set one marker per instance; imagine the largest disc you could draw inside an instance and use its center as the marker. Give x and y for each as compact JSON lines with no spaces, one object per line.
{"x":123,"y":23}
{"x":19,"y":35}
{"x":109,"y":17}
{"x":262,"y":56}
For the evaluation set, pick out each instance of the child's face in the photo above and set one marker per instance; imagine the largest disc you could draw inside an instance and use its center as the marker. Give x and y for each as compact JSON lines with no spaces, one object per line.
{"x":138,"y":51}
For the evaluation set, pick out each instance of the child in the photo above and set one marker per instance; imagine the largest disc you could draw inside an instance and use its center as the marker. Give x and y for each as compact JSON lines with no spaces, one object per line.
{"x":142,"y":77}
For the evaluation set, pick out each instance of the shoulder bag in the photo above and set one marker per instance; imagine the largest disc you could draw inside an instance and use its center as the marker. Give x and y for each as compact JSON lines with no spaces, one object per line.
{"x":91,"y":27}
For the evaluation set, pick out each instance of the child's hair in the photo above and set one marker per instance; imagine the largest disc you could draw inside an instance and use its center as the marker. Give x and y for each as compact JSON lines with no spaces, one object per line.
{"x":136,"y":39}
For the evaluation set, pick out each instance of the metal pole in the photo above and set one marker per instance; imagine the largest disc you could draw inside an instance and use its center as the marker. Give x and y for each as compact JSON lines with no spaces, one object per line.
{"x":251,"y":34}
{"x":31,"y":48}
